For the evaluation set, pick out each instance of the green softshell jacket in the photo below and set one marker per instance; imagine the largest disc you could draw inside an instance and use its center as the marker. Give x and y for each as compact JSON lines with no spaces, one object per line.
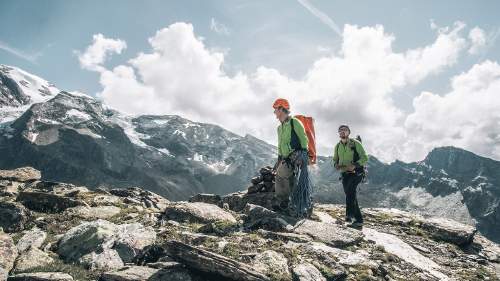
{"x":285,"y":136}
{"x":344,"y":155}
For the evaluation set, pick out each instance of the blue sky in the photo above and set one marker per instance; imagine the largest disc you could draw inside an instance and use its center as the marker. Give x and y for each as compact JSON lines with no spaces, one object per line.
{"x":45,"y":38}
{"x":280,"y":34}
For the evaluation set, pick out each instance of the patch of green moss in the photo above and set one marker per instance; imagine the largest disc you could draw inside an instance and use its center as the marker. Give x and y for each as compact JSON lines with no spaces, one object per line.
{"x":327,"y":272}
{"x":292,"y":255}
{"x":232,"y":250}
{"x":274,"y":276}
{"x":16,"y":237}
{"x":120,"y":217}
{"x":221,"y":228}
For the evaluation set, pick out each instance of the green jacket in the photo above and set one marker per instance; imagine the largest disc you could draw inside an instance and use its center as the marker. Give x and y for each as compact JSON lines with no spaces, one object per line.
{"x":285,"y":136}
{"x":344,"y":154}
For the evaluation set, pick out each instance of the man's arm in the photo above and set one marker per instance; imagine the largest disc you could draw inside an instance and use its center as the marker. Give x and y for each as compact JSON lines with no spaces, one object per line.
{"x":336,"y":157}
{"x":279,"y":150}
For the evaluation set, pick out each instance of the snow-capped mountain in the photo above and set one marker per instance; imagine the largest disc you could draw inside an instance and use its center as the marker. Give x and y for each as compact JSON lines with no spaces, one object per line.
{"x":75,"y":138}
{"x":19,"y":90}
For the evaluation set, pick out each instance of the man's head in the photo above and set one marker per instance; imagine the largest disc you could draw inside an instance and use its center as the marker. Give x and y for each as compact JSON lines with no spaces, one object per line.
{"x":344,"y":132}
{"x":281,"y":109}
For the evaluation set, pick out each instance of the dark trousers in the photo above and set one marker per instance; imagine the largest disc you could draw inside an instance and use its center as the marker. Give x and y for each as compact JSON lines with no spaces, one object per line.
{"x":350,"y":183}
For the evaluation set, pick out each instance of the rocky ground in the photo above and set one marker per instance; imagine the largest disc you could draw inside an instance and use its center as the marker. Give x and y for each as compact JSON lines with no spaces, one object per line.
{"x":58,"y":231}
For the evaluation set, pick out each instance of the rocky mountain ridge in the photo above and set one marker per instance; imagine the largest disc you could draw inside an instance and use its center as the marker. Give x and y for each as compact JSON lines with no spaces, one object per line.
{"x":60,"y":231}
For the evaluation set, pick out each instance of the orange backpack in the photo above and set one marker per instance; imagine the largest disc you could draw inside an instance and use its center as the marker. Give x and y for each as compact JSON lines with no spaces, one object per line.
{"x":308,"y":123}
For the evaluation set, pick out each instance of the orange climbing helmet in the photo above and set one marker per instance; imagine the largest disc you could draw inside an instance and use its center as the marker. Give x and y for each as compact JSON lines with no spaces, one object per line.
{"x":281,"y":103}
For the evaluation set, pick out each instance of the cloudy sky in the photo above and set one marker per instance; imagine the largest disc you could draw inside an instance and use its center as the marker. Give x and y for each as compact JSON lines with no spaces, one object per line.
{"x":407,"y":76}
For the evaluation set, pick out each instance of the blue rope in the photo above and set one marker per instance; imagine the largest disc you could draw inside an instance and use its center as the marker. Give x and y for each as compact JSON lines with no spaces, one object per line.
{"x":301,"y":196}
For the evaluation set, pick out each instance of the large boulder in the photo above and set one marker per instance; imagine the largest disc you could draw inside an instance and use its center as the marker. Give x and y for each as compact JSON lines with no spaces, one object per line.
{"x":33,"y":238}
{"x":272,"y":263}
{"x":142,"y":273}
{"x":41,"y":276}
{"x":13,"y":216}
{"x":104,"y":259}
{"x":211,"y":263}
{"x":8,"y":253}
{"x":306,"y":272}
{"x":132,"y":273}
{"x":103,"y":245}
{"x":197,"y":212}
{"x":90,"y":213}
{"x":207,"y":198}
{"x":138,"y":195}
{"x":342,"y":257}
{"x":86,"y":238}
{"x":438,"y":228}
{"x":44,"y":202}
{"x":394,"y":245}
{"x":486,"y":248}
{"x":331,"y":234}
{"x":237,"y":201}
{"x":262,"y":218}
{"x":24,"y":174}
{"x":449,"y":230}
{"x":58,"y":188}
{"x":31,"y":259}
{"x":131,"y":239}
{"x":9,"y":188}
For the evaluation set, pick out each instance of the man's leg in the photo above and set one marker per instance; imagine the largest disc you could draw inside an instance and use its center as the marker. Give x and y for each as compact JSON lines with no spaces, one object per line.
{"x":282,"y":184}
{"x":349,"y":196}
{"x":356,"y":210}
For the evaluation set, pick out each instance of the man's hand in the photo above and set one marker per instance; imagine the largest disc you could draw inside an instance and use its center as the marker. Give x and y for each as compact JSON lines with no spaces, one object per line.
{"x":350,"y":168}
{"x":337,"y":166}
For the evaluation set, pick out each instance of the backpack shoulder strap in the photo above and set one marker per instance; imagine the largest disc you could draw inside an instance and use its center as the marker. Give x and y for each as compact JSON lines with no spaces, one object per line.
{"x":294,"y":138}
{"x":352,"y":145}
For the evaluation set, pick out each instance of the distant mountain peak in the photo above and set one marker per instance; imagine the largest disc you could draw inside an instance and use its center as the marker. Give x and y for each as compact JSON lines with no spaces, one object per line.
{"x":19,"y":90}
{"x":32,"y":87}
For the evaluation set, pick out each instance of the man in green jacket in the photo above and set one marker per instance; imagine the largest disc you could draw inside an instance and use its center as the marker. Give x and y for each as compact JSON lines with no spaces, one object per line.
{"x":291,"y":137}
{"x":350,"y":158}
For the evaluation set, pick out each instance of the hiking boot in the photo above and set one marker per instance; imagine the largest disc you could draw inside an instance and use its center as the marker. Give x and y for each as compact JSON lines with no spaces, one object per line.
{"x":356,"y":224}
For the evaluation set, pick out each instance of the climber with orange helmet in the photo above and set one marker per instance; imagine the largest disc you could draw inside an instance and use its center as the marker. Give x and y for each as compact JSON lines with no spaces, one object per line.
{"x":291,"y":138}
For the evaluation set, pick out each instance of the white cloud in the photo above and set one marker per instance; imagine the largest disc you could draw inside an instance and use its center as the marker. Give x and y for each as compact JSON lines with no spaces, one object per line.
{"x":433,"y":24}
{"x":355,"y":85}
{"x":218,"y":27}
{"x":95,"y":54}
{"x":467,"y":116}
{"x":477,"y":37}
